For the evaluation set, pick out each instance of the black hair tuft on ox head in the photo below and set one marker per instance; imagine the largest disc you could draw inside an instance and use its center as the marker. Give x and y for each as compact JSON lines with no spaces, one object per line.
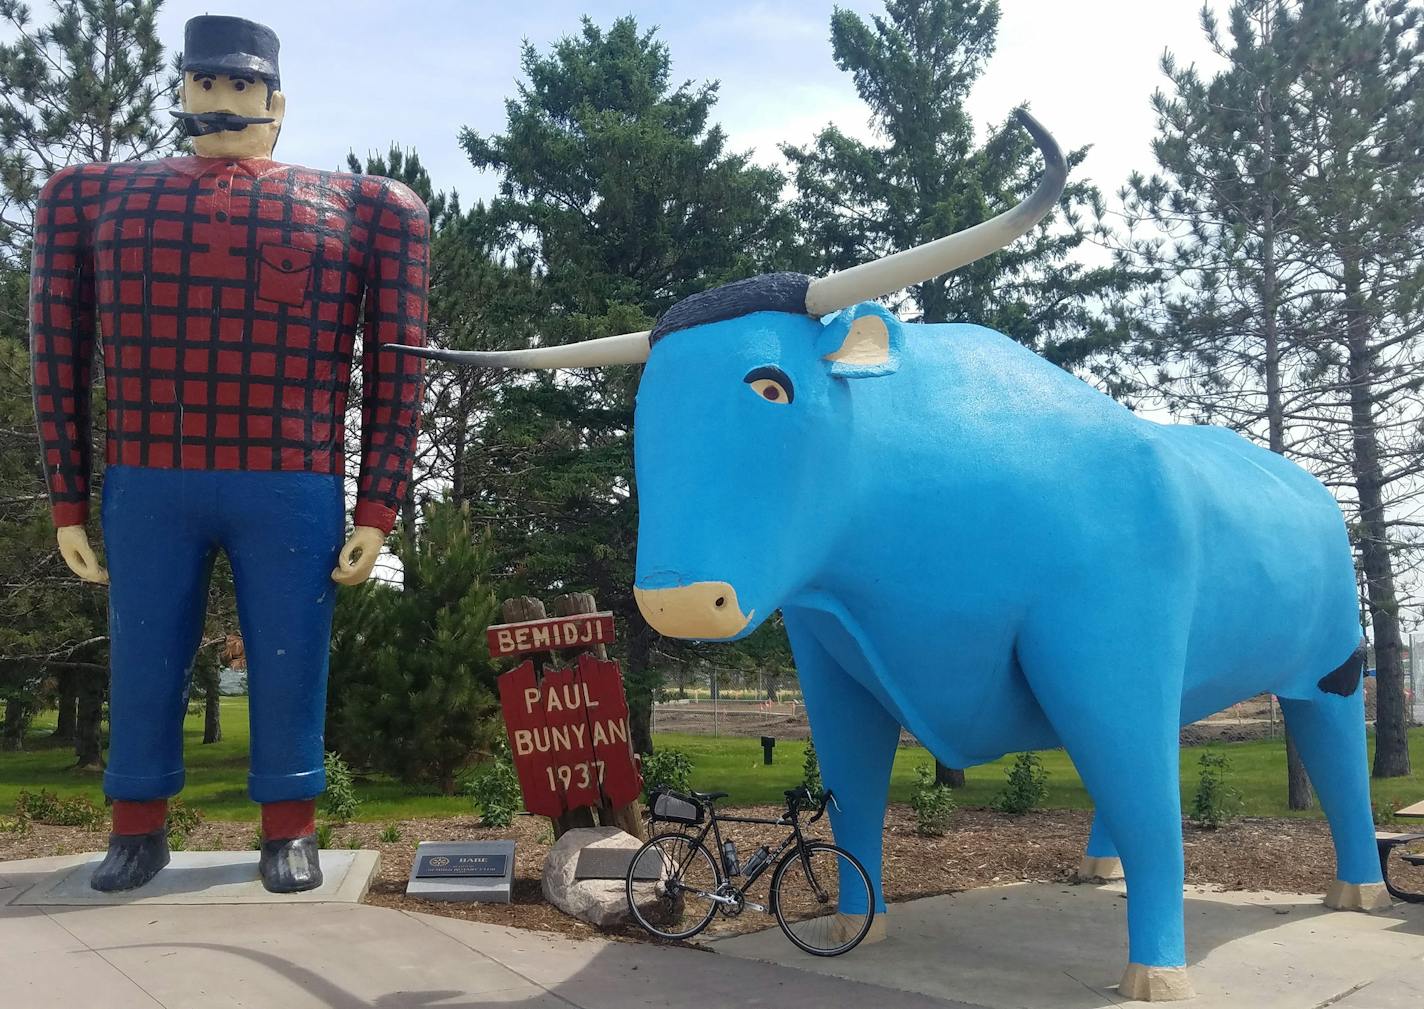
{"x":770,"y":292}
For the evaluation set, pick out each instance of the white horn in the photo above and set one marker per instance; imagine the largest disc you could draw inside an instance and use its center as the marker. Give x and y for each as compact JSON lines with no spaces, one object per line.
{"x":925,"y":262}
{"x":627,"y":348}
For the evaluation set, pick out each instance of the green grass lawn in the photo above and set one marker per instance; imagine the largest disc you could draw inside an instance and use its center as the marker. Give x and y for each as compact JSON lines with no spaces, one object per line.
{"x":217,"y":774}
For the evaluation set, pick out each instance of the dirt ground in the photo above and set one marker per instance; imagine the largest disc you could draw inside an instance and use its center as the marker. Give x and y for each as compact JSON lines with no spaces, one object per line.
{"x":982,"y":848}
{"x":1254,"y":718}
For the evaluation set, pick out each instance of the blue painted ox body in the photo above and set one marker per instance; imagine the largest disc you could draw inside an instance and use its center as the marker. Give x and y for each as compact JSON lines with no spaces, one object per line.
{"x":967,"y":541}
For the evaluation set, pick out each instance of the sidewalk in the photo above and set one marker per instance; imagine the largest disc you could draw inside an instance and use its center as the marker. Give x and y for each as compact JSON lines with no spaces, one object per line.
{"x":1055,"y":946}
{"x":348,"y":956}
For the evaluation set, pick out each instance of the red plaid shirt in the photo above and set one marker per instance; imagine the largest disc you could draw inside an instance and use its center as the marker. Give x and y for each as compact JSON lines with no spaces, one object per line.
{"x":227,"y":294}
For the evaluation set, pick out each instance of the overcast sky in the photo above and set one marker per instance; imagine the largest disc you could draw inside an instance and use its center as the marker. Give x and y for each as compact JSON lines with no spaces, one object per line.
{"x":360,"y":74}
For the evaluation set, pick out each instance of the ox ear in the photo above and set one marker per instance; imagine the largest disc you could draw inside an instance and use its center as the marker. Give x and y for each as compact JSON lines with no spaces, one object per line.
{"x":861,"y":342}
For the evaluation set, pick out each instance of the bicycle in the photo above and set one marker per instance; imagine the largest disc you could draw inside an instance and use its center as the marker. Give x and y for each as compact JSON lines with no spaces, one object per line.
{"x":821,"y":895}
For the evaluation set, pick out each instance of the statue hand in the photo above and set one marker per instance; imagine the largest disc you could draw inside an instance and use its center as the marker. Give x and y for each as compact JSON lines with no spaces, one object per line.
{"x":358,"y":556}
{"x":79,"y":555}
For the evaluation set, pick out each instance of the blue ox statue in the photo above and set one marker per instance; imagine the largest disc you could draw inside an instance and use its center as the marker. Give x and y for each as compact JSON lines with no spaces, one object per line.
{"x":969,"y":542}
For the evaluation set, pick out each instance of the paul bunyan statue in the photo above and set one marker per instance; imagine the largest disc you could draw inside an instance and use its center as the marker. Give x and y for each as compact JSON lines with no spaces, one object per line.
{"x":226,"y":290}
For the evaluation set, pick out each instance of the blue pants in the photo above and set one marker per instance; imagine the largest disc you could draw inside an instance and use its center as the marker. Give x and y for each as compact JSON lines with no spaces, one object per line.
{"x":162,"y":528}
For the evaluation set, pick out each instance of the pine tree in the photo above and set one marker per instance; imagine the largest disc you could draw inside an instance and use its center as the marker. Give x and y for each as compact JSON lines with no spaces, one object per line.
{"x":620,"y":192}
{"x":1225,"y":346}
{"x":412,"y":689}
{"x":926,"y":178}
{"x":1358,"y":125}
{"x":87,"y":86}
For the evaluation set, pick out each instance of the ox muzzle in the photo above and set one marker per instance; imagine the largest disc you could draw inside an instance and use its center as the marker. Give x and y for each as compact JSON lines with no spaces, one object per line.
{"x":703,"y":610}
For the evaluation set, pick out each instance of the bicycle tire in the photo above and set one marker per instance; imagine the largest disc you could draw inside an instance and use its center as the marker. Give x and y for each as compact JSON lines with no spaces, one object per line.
{"x":831,"y":923}
{"x":667,"y":847}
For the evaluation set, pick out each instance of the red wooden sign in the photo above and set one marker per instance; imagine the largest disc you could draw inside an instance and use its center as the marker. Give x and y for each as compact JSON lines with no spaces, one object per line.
{"x":581,"y":631}
{"x":569,"y":736}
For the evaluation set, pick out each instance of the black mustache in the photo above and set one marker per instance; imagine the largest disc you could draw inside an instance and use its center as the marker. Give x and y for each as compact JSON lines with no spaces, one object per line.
{"x":200,"y":124}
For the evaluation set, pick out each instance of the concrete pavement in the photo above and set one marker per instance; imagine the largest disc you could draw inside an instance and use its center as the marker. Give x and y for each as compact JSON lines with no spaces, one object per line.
{"x":1052,"y":946}
{"x":347,"y":956}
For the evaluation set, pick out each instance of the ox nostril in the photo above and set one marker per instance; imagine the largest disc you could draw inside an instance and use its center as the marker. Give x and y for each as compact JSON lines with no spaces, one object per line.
{"x":721,"y":601}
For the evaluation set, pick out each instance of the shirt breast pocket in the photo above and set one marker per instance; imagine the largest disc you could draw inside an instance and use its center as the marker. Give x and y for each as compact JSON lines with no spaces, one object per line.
{"x":284,"y":274}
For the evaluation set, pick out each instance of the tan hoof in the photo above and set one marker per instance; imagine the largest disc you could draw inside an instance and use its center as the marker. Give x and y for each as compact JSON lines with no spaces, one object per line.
{"x":838,"y":929}
{"x":1099,"y":869}
{"x":843,"y":927}
{"x":1155,"y":984}
{"x":1365,"y":897}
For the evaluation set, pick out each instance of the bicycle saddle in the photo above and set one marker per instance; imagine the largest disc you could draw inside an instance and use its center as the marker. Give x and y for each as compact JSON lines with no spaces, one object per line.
{"x":710,"y":796}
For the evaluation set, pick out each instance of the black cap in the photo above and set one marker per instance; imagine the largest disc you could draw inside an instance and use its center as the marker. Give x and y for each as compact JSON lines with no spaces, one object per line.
{"x":228,"y":45}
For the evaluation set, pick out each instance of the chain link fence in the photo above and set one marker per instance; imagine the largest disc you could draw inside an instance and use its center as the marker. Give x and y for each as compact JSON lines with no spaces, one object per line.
{"x":1415,"y":666}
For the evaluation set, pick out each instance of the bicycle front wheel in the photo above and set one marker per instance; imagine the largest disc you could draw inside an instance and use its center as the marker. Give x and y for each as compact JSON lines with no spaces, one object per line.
{"x":822,"y":898}
{"x":678,"y":904}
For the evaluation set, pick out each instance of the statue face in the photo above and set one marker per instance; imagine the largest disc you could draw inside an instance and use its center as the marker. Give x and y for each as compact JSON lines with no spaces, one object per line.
{"x":240,"y":94}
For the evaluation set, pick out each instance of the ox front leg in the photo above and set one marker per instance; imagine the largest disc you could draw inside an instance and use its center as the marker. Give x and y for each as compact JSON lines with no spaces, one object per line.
{"x":1126,"y":751}
{"x":1101,"y":863}
{"x":855,"y":741}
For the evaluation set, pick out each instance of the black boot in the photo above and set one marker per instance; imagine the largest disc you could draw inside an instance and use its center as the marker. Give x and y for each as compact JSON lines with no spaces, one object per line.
{"x":290,"y":865}
{"x":132,"y":860}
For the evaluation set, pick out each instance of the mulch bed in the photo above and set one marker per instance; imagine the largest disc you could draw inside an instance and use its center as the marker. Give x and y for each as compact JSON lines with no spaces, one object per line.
{"x":983,"y":848}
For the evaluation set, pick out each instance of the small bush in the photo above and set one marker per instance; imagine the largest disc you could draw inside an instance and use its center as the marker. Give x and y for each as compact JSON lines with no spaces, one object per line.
{"x":46,"y":807}
{"x":932,"y":803}
{"x":390,"y":834}
{"x":14,"y":825}
{"x":811,"y":769}
{"x":255,"y":843}
{"x":323,"y":836}
{"x":1216,"y":803}
{"x":182,"y":821}
{"x":339,"y":801}
{"x":1025,"y":787}
{"x":667,"y":768}
{"x":353,"y":843}
{"x":495,"y":790}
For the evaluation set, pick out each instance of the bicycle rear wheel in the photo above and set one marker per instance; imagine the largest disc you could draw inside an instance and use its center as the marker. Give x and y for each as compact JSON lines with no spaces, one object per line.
{"x":678,"y":904}
{"x":822,"y":898}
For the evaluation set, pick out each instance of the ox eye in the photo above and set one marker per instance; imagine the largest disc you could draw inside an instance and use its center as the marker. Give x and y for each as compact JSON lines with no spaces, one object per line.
{"x":771,"y":384}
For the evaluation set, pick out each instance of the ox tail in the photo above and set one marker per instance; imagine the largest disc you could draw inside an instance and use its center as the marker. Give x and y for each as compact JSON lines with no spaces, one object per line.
{"x":1345,"y":679}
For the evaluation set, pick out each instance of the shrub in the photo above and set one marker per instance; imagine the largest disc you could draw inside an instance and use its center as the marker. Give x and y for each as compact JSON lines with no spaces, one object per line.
{"x":46,"y":807}
{"x":933,"y":803}
{"x":412,"y":689}
{"x":14,"y":825}
{"x":323,"y":836}
{"x":811,"y":769}
{"x":667,"y":768}
{"x":182,"y":821}
{"x":339,"y":801}
{"x":391,"y":834}
{"x":1216,"y":803}
{"x":1025,"y":787}
{"x":255,"y":842}
{"x":495,"y":790}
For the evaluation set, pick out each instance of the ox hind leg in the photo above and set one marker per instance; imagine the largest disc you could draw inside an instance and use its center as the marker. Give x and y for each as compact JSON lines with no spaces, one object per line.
{"x":1100,"y":858}
{"x":1329,"y":732}
{"x":856,"y":739}
{"x":1114,"y":699}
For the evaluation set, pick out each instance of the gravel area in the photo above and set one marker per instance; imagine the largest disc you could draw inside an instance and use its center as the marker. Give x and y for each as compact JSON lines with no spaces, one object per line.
{"x":983,"y":848}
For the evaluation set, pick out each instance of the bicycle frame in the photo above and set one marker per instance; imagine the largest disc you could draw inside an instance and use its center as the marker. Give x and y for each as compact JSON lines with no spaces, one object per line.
{"x":714,"y":819}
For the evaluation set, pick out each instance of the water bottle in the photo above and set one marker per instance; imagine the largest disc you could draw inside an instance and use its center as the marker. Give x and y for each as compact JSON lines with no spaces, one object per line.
{"x":729,"y":859}
{"x":758,"y":859}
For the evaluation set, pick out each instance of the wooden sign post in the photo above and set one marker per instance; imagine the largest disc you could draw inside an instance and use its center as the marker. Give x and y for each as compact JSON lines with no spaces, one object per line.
{"x":568,"y":727}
